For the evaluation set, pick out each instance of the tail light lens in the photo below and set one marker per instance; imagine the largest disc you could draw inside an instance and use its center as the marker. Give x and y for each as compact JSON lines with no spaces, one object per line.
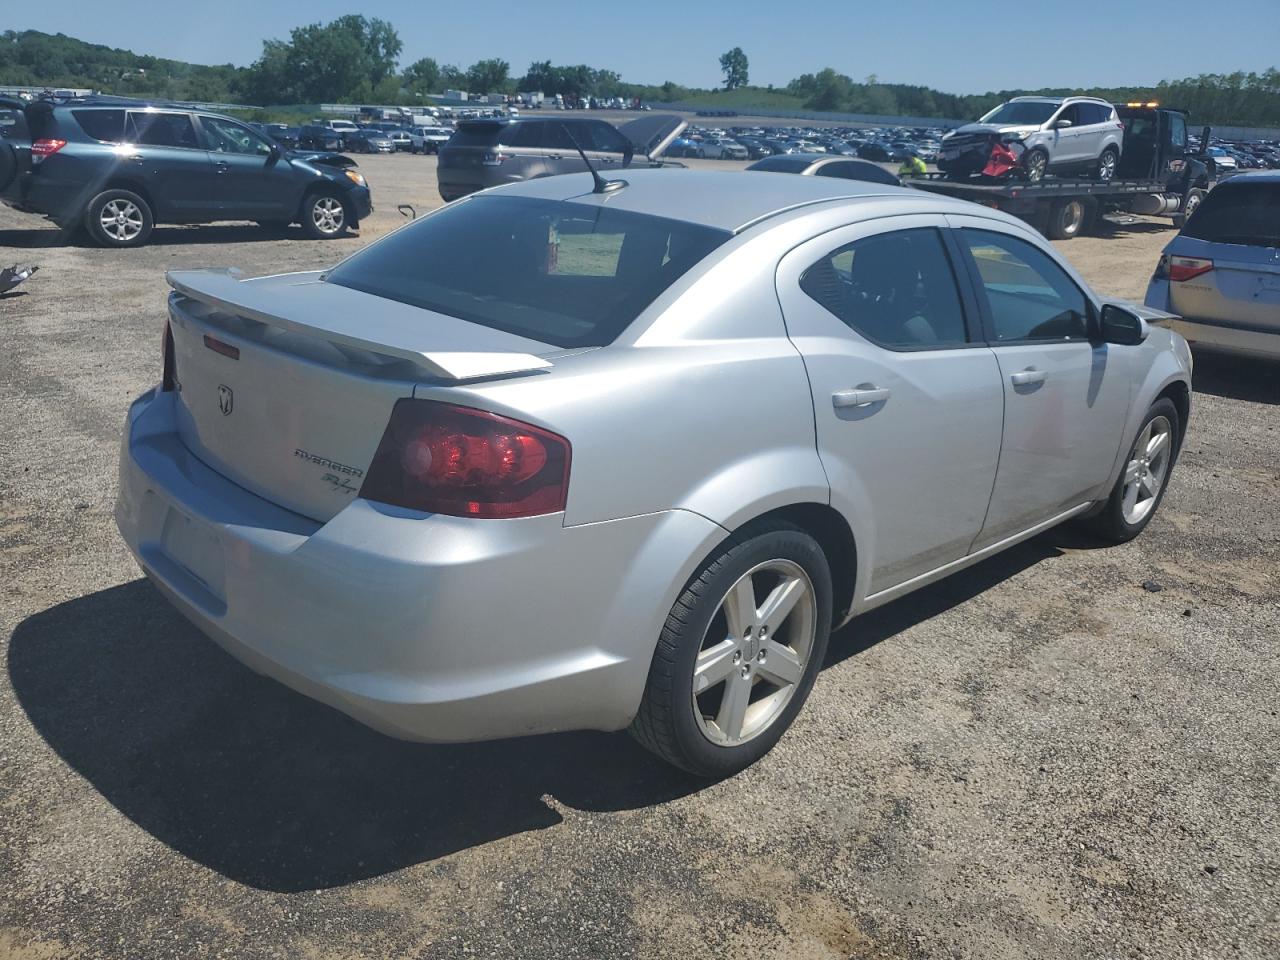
{"x":45,"y":147}
{"x":169,"y":379}
{"x":1178,"y":269}
{"x":442,"y":458}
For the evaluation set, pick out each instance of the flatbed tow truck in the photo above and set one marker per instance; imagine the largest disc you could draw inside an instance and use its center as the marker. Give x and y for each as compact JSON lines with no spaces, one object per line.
{"x":1157,"y":176}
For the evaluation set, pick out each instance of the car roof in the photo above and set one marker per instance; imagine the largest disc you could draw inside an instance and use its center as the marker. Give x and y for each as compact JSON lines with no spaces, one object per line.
{"x":1251,"y":176}
{"x":722,"y":200}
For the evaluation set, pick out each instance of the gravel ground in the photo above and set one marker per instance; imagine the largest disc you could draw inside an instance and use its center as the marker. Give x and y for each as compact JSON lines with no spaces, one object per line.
{"x":1035,"y":758}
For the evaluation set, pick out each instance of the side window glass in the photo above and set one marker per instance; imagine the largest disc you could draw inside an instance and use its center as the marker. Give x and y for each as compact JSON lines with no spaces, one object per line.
{"x":1178,"y":131}
{"x":521,"y":135}
{"x":555,"y":137}
{"x":162,"y":130}
{"x":1029,"y":296}
{"x":895,"y":289}
{"x":606,"y":138}
{"x":224,"y":136}
{"x":104,"y":125}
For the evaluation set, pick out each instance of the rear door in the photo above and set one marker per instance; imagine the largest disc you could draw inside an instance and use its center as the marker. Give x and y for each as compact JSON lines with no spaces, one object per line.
{"x":907,"y":402}
{"x":1066,"y":398}
{"x":167,"y":155}
{"x":1236,"y":230}
{"x":251,"y":180}
{"x":15,"y":145}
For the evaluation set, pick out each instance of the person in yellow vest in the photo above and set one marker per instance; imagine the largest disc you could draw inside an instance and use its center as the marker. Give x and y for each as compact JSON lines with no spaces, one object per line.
{"x":913,"y":166}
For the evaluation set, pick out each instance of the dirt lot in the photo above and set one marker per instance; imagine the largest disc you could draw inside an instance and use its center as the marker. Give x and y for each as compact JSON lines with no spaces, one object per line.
{"x":1035,"y":758}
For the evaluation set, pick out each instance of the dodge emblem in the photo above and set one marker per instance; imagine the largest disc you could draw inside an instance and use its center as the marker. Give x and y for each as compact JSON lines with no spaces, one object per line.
{"x":225,"y":399}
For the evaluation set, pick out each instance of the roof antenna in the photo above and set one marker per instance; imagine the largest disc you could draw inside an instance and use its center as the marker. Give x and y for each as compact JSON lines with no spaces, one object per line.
{"x":602,"y":185}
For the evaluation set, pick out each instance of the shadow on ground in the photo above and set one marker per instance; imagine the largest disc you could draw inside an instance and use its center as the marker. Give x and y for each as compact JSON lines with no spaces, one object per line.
{"x":50,"y":236}
{"x":274,"y":790}
{"x":1236,"y":377}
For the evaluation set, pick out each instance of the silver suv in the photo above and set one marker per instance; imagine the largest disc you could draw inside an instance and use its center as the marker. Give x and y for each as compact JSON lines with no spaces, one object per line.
{"x":1054,"y":134}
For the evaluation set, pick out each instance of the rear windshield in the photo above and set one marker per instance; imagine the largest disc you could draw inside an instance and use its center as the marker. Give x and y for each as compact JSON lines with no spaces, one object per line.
{"x":566,"y":274}
{"x":1024,"y":112}
{"x":1244,"y":213}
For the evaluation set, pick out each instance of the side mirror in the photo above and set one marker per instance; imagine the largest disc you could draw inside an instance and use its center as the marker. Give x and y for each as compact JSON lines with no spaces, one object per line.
{"x":1120,"y":326}
{"x":1061,"y":124}
{"x":275,"y":153}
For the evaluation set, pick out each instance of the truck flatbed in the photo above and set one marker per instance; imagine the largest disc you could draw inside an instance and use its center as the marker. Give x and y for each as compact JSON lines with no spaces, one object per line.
{"x":1048,"y":188}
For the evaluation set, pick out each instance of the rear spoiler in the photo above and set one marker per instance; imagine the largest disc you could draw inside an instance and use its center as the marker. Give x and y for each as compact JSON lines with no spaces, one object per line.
{"x":225,"y":290}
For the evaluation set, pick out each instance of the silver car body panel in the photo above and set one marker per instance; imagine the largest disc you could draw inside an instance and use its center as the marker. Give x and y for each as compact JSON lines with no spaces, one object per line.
{"x":712,"y":408}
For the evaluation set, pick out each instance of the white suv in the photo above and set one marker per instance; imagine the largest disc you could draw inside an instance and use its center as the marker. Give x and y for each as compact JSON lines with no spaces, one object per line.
{"x":1052,"y":134}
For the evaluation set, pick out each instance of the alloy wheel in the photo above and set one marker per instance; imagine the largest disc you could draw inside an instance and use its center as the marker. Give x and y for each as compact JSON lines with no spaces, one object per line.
{"x":121,"y":220}
{"x":327,"y":214}
{"x":755,"y":652}
{"x":1106,"y":165}
{"x":1037,"y":162}
{"x":1148,"y":467}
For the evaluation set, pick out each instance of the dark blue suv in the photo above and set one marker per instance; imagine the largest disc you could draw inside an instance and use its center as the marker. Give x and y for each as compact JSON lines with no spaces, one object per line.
{"x":118,"y":167}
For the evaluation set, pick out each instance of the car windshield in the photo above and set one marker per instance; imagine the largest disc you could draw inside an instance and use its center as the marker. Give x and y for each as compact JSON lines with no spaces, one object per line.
{"x":1021,"y":112}
{"x":1243,"y":213}
{"x":562,"y":273}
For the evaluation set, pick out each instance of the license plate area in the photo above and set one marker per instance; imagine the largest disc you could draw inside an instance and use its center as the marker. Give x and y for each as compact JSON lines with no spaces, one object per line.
{"x":196,"y":548}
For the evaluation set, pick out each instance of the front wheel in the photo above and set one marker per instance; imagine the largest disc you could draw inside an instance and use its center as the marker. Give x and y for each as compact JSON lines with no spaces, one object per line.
{"x":1035,"y":164}
{"x":1141,"y":485}
{"x":739,"y":652}
{"x":1067,"y":219}
{"x":324,"y":216}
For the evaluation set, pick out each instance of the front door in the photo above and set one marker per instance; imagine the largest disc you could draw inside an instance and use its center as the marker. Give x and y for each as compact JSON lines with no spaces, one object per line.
{"x":166,"y":155}
{"x":253,"y":181}
{"x":1066,"y":397}
{"x":907,"y":397}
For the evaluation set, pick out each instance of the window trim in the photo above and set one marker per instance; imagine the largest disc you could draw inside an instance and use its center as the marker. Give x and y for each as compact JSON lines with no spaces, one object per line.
{"x":974,"y":332}
{"x":984,"y":304}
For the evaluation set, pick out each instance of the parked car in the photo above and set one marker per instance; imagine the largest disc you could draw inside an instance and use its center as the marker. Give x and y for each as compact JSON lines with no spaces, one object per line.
{"x":1054,"y":135}
{"x":485,"y":153}
{"x":822,"y":165}
{"x":402,"y":140}
{"x":574,"y":421}
{"x":720,"y":149}
{"x":343,"y":128}
{"x":370,"y":140}
{"x":312,"y":136}
{"x":1221,"y":273}
{"x":1221,"y":159}
{"x":118,"y":167}
{"x":281,"y":133}
{"x":430,"y":139}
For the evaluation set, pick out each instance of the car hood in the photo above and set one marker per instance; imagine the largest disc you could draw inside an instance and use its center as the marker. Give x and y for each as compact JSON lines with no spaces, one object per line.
{"x":320,"y":158}
{"x":992,"y":128}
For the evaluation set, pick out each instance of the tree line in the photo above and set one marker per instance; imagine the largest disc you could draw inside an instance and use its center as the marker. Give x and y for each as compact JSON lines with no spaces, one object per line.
{"x":356,"y":59}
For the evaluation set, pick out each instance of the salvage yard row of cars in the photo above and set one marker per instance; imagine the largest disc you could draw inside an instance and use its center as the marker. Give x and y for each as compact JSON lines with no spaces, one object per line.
{"x":684,"y":393}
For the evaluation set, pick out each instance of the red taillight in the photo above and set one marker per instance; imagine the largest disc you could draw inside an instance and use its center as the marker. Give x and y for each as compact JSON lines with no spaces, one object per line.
{"x":169,"y":378}
{"x":1178,"y":269}
{"x":442,"y":458}
{"x":44,"y":148}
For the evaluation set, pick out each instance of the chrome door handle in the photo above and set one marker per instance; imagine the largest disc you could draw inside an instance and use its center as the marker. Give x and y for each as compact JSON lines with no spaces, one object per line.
{"x":221,"y":166}
{"x":1027,"y":376}
{"x":859,"y":398}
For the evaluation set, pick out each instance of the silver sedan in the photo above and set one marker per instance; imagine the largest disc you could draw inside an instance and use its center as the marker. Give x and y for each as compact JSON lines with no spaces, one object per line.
{"x":581,"y":454}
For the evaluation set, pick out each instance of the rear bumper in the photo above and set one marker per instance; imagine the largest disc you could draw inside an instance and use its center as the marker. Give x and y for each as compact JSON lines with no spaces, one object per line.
{"x":424,"y":627}
{"x":1225,"y":336}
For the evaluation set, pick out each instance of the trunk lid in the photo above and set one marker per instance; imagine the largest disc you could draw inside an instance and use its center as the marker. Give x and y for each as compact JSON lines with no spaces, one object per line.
{"x":653,"y":134}
{"x":287,"y":383}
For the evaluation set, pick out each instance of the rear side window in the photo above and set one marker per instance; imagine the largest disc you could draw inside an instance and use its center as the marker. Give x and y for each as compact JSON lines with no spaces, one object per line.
{"x":562,"y":273}
{"x":162,"y":130}
{"x":1029,"y":297}
{"x":1242,"y":213}
{"x":521,"y":135}
{"x":104,"y":125}
{"x":895,"y":289}
{"x":476,"y":135}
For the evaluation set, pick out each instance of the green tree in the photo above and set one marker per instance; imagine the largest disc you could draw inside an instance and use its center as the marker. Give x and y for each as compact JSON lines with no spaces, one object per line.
{"x":422,"y":76}
{"x":489,"y":76}
{"x":734,"y":65}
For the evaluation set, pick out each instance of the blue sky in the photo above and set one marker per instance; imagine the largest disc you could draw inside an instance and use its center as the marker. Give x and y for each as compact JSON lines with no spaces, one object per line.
{"x":960,"y":47}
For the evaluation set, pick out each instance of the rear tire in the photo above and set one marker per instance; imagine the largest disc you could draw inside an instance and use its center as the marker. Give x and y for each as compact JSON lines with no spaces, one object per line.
{"x":119,"y":218}
{"x":1132,"y":502}
{"x":1105,"y":170}
{"x":324,"y":216}
{"x":1067,"y":219}
{"x":752,"y":683}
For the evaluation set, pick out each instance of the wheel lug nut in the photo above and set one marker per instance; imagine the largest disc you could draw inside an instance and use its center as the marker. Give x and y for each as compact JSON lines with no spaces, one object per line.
{"x":746,"y":672}
{"x":737,"y":657}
